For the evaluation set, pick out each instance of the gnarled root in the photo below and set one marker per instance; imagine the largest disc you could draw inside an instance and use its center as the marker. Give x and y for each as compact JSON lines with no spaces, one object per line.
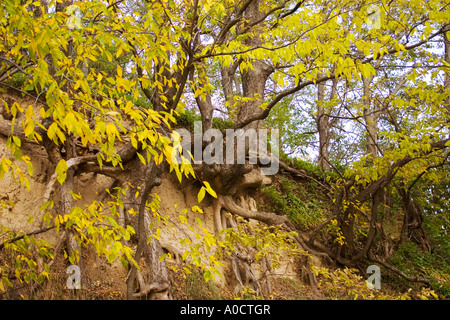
{"x":148,"y":246}
{"x":154,"y":287}
{"x":267,"y":272}
{"x":269,"y":218}
{"x":173,"y":252}
{"x":244,"y":257}
{"x":217,"y":212}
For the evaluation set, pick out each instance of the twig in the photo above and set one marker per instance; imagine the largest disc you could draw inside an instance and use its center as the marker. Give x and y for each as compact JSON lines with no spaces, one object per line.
{"x":25,"y":235}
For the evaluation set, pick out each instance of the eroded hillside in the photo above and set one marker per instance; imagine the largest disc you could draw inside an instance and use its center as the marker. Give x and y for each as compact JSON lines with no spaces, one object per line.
{"x":246,"y":258}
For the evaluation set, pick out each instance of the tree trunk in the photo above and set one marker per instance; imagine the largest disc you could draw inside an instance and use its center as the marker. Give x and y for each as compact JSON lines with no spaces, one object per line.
{"x":55,"y":155}
{"x":412,"y":228}
{"x":347,"y":223}
{"x":228,"y":77}
{"x":447,"y":73}
{"x":254,"y":79}
{"x":204,"y":101}
{"x":154,"y":284}
{"x":67,"y":203}
{"x":371,"y":116}
{"x":323,"y":127}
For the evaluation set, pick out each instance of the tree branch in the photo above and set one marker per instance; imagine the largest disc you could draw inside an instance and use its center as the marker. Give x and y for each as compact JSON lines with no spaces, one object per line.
{"x":399,"y":272}
{"x":323,"y":78}
{"x":25,"y":235}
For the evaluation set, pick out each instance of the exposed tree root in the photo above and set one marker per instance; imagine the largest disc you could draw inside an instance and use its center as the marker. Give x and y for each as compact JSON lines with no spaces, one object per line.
{"x":242,"y":260}
{"x":269,"y":218}
{"x":246,"y":257}
{"x":173,"y":252}
{"x":145,"y":288}
{"x":267,"y":273}
{"x":399,"y":272}
{"x":157,"y":284}
{"x":217,"y":216}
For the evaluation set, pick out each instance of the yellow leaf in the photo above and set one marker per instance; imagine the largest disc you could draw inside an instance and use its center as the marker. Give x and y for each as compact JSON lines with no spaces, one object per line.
{"x":162,"y":257}
{"x":51,"y":131}
{"x":61,"y":171}
{"x":69,"y":121}
{"x":111,"y":130}
{"x":183,"y":218}
{"x":201,"y":194}
{"x":197,"y":209}
{"x":141,"y":158}
{"x":42,"y":112}
{"x":209,"y":189}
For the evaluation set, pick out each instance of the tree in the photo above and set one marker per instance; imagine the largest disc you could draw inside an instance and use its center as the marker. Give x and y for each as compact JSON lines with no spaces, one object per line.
{"x":87,"y":79}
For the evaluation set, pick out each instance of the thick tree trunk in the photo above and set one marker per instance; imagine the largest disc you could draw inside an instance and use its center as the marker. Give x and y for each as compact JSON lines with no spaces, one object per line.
{"x":204,"y":102}
{"x":412,"y":228}
{"x":254,"y":79}
{"x":228,"y":75}
{"x":226,"y":177}
{"x":153,"y":282}
{"x":324,"y":124}
{"x":347,"y":223}
{"x":67,"y":203}
{"x":55,"y":155}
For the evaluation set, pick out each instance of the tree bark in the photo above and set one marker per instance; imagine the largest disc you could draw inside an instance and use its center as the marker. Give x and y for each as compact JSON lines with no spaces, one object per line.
{"x":371,"y":115}
{"x":142,"y":178}
{"x":228,"y":77}
{"x":67,"y":203}
{"x":269,"y":218}
{"x":447,"y":73}
{"x":323,"y":127}
{"x":412,"y":223}
{"x":254,"y":79}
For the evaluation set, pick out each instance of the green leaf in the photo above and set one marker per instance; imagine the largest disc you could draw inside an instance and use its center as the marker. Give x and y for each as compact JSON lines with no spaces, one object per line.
{"x":30,"y":169}
{"x":17,"y":141}
{"x":207,"y":275}
{"x":111,"y":257}
{"x":124,"y":262}
{"x":45,"y":205}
